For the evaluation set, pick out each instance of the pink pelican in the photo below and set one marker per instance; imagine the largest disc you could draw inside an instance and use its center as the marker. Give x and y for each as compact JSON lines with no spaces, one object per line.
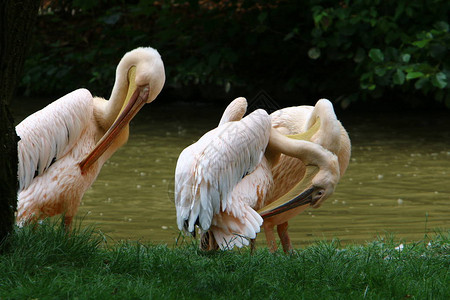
{"x":63,"y":146}
{"x":319,"y":125}
{"x":226,"y":176}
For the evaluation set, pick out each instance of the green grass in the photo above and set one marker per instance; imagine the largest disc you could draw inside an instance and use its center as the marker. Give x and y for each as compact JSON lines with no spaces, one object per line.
{"x":46,"y":263}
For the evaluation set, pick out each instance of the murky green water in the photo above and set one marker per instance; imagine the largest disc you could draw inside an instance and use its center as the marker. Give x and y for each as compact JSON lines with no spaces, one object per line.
{"x":398,"y":179}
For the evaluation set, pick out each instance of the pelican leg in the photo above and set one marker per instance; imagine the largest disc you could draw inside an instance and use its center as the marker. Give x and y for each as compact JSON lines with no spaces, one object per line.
{"x":68,"y":223}
{"x":270,"y":238}
{"x":252,"y":246}
{"x":208,"y":242}
{"x":284,"y":237}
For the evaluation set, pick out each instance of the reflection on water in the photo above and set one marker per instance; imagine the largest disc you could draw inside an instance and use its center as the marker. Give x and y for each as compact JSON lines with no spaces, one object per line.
{"x":398,"y":179}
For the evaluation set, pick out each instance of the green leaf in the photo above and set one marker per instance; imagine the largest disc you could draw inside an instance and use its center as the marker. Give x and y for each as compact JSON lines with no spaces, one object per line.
{"x":438,"y":51}
{"x":359,"y":55}
{"x":439,"y":80}
{"x":376,"y":55}
{"x":399,"y":10}
{"x":318,"y":17}
{"x":262,"y":17}
{"x":366,"y":81}
{"x":443,"y":26}
{"x":409,"y":11}
{"x":112,"y":19}
{"x":414,"y":75}
{"x":294,"y":32}
{"x":289,"y":36}
{"x":314,"y":53}
{"x":406,"y":57}
{"x":380,"y":71}
{"x":420,"y":83}
{"x":342,"y":14}
{"x":421,"y":43}
{"x":399,"y":77}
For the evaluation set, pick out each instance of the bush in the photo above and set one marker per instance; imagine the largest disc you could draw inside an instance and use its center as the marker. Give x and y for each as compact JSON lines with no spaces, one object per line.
{"x":344,"y":50}
{"x":392,"y":44}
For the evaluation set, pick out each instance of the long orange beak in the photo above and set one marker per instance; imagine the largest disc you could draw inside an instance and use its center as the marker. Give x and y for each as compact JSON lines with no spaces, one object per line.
{"x":302,"y":199}
{"x":130,"y":109}
{"x":302,"y":192}
{"x":300,"y":195}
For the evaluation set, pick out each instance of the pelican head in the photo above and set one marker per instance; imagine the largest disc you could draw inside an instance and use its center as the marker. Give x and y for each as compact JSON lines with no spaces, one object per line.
{"x":316,"y":186}
{"x":322,"y":167}
{"x":140,"y":78}
{"x":144,"y":70}
{"x":325,"y":181}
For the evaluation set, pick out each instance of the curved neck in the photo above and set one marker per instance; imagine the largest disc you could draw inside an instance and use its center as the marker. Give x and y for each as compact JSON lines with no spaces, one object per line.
{"x":329,"y":134}
{"x":234,"y":111}
{"x":307,"y":152}
{"x":117,"y":98}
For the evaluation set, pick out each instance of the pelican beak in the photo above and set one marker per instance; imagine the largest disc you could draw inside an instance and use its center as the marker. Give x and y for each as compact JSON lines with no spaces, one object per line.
{"x":136,"y":98}
{"x":301,"y":194}
{"x":303,"y":199}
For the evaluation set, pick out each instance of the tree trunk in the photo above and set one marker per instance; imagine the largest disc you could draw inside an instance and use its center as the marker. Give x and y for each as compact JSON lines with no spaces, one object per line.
{"x":16,"y":20}
{"x":8,"y":171}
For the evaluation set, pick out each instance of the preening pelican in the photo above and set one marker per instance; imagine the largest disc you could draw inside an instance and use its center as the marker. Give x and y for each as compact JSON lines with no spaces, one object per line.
{"x":289,"y":171}
{"x":63,"y":146}
{"x":221,"y":180}
{"x":208,"y":172}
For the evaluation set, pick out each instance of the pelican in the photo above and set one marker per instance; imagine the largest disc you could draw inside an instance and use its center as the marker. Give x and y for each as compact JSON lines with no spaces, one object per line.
{"x":289,"y":172}
{"x":226,"y":176}
{"x":63,"y":146}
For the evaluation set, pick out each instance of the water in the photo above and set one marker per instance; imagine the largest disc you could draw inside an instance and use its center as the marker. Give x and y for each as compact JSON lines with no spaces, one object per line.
{"x":398,"y":180}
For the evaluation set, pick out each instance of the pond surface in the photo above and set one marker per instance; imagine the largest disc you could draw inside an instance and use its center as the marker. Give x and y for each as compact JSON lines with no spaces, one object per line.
{"x":398,"y":180}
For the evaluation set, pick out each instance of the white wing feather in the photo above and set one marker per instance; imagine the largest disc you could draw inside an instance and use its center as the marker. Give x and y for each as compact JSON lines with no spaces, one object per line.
{"x":209,"y":170}
{"x":50,"y":133}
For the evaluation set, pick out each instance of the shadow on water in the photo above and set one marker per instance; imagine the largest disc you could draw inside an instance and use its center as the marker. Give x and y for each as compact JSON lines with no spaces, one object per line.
{"x":398,"y":179}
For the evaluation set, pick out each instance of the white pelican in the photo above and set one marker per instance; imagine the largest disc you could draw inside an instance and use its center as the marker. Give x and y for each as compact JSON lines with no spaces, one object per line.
{"x":63,"y":146}
{"x":221,"y":180}
{"x":289,"y":171}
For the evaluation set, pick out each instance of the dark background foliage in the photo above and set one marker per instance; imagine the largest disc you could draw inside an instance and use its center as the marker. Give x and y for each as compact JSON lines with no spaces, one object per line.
{"x":356,"y":53}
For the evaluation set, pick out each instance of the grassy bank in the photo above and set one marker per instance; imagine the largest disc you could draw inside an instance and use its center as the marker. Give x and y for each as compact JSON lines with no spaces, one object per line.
{"x":48,"y":264}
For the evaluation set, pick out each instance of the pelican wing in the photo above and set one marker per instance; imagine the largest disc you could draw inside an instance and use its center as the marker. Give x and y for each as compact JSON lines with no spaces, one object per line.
{"x":48,"y":134}
{"x":208,"y":171}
